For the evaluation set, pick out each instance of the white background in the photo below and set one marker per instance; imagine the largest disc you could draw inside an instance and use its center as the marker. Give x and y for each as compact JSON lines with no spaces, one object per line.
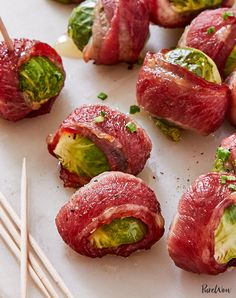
{"x":146,"y":274}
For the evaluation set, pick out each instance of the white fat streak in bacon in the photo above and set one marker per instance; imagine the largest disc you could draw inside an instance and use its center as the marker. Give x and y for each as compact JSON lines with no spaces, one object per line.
{"x":223,"y":33}
{"x":108,"y":213}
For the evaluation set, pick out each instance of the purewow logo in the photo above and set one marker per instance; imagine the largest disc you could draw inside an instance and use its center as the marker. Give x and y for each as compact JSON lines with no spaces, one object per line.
{"x":216,"y":289}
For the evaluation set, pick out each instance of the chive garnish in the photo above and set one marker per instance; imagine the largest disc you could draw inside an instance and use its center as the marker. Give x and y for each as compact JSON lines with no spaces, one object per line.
{"x":102,"y":96}
{"x":211,"y":30}
{"x":130,"y":126}
{"x":225,"y":178}
{"x":227,"y":14}
{"x":134,"y":109}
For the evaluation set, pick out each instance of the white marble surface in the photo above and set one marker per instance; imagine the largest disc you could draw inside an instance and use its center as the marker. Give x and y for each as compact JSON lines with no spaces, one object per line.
{"x":148,"y":274}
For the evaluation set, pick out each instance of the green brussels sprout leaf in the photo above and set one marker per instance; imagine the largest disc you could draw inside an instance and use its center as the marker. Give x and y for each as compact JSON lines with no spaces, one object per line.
{"x":230,"y":64}
{"x":225,"y":236}
{"x":81,"y":22}
{"x":188,"y":6}
{"x":80,"y":155}
{"x":168,"y":129}
{"x":196,"y":62}
{"x":120,"y":231}
{"x":40,"y":80}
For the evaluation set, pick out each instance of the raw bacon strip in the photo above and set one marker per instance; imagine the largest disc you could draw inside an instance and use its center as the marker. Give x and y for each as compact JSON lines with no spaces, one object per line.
{"x":12,"y":103}
{"x":171,"y":92}
{"x":120,"y":30}
{"x":214,"y":33}
{"x":125,"y":151}
{"x":109,"y":196}
{"x":163,"y":14}
{"x":191,"y":235}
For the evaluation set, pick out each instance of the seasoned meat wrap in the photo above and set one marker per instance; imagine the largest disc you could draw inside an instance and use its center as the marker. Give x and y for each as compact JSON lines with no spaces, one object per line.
{"x":183,"y":87}
{"x":109,"y":31}
{"x":202,"y":235}
{"x":32,"y":76}
{"x":116,"y":213}
{"x":175,"y":13}
{"x":94,"y":139}
{"x":214,"y":33}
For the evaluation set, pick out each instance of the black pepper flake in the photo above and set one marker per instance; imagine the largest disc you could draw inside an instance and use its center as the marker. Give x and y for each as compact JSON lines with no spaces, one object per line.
{"x":161,"y":173}
{"x":202,"y":153}
{"x":130,"y":66}
{"x":153,"y":177}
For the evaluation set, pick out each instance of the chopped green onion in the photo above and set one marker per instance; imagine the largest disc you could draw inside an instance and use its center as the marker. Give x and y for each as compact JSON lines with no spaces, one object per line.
{"x":211,"y":30}
{"x":102,"y":96}
{"x":232,"y":187}
{"x":130,"y":126}
{"x":227,"y":14}
{"x":225,"y":178}
{"x":134,"y":109}
{"x":222,"y":155}
{"x":100,"y":118}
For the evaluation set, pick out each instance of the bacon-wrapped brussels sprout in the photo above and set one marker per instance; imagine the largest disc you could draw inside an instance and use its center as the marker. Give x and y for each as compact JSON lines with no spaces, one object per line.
{"x":183,"y":87}
{"x":110,"y":32}
{"x":202,"y":235}
{"x":179,"y":13}
{"x":32,"y":76}
{"x":214,"y":33}
{"x":95,"y":139}
{"x":116,"y":213}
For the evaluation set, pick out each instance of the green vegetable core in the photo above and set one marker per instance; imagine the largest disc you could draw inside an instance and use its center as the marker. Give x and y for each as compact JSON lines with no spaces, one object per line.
{"x":40,"y":80}
{"x":80,"y":155}
{"x":187,"y":6}
{"x":120,"y":231}
{"x":81,"y":22}
{"x":225,"y":236}
{"x":230,"y":64}
{"x":196,"y":62}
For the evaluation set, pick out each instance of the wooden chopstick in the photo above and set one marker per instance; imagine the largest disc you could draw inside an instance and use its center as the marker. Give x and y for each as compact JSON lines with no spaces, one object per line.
{"x":24,"y":233}
{"x":33,"y":261}
{"x":40,"y":254}
{"x":16,"y":251}
{"x":6,"y":36}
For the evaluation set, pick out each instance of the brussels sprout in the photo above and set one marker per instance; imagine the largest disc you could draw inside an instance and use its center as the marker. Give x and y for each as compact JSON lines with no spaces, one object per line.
{"x":81,"y":22}
{"x":171,"y":131}
{"x":196,"y":62}
{"x":225,"y":236}
{"x":187,"y":6}
{"x":40,"y":80}
{"x":80,"y":155}
{"x":221,"y":160}
{"x":230,"y":64}
{"x":120,"y":231}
